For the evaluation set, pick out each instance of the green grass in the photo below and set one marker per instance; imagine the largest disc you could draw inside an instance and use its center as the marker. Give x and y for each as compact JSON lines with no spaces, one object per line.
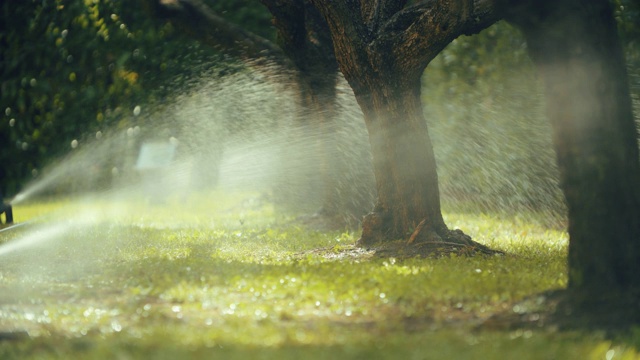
{"x":224,"y":276}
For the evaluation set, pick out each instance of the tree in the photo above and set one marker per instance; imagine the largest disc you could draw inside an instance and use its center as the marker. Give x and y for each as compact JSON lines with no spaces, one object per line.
{"x":576,"y":49}
{"x":382,"y":48}
{"x":304,"y":53}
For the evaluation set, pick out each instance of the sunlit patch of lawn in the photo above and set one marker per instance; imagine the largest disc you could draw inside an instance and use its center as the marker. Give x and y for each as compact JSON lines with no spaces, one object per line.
{"x":224,"y":275}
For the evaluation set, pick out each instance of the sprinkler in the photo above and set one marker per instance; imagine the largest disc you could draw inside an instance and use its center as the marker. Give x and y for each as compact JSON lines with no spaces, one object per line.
{"x":7,"y":210}
{"x":8,"y":225}
{"x":8,"y":213}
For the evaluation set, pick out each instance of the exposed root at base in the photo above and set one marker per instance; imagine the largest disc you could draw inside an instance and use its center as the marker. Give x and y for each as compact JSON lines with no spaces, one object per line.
{"x":447,"y":247}
{"x":395,"y":249}
{"x":424,"y":241}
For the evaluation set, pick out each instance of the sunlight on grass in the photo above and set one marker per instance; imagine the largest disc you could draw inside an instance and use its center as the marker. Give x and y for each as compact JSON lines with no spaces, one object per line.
{"x":224,"y":275}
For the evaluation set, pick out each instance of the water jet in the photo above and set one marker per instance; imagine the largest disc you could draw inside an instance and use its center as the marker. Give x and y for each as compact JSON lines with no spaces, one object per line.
{"x":13,"y":226}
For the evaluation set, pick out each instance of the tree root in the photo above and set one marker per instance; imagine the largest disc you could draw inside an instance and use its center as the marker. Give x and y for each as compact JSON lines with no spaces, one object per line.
{"x":425,"y":240}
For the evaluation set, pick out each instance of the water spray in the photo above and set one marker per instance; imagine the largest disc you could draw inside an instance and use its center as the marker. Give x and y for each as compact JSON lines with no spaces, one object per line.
{"x":15,"y":226}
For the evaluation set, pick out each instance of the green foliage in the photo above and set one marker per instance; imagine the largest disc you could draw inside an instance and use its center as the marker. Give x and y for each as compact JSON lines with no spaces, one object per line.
{"x":177,"y":281}
{"x":53,"y":73}
{"x":73,"y":68}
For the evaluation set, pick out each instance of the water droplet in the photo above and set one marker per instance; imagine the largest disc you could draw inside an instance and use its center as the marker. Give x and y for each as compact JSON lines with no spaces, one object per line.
{"x":74,"y":143}
{"x":24,"y":146}
{"x":12,"y":122}
{"x":7,"y":111}
{"x":34,"y":172}
{"x":99,"y":135}
{"x":33,"y":82}
{"x":136,"y":110}
{"x":383,"y":295}
{"x":176,"y":308}
{"x":478,"y":271}
{"x":64,"y":33}
{"x":609,"y":355}
{"x":115,"y":325}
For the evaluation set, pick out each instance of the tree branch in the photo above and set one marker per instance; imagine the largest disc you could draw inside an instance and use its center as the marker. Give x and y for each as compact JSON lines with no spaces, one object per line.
{"x":289,"y":19}
{"x":344,"y":16}
{"x":419,"y":32}
{"x":200,"y":22}
{"x":381,"y":10}
{"x":303,"y":35}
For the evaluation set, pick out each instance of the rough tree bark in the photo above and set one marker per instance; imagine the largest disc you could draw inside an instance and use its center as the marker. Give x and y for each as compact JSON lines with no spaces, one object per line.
{"x":576,"y":49}
{"x":383,"y":47}
{"x":304,"y":56}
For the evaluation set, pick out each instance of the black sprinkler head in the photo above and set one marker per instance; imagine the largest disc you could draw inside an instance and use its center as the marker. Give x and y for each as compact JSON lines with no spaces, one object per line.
{"x":8,"y":213}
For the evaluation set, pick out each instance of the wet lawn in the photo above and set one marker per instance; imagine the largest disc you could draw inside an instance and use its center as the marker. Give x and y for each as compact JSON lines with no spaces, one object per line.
{"x":224,"y":276}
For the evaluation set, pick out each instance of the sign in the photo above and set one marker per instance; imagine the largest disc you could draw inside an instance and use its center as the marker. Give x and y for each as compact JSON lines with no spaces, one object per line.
{"x":155,"y":155}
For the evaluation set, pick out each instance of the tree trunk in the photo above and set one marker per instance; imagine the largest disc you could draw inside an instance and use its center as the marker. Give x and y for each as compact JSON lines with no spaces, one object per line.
{"x":577,"y":52}
{"x":382,"y":48}
{"x":404,"y":165}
